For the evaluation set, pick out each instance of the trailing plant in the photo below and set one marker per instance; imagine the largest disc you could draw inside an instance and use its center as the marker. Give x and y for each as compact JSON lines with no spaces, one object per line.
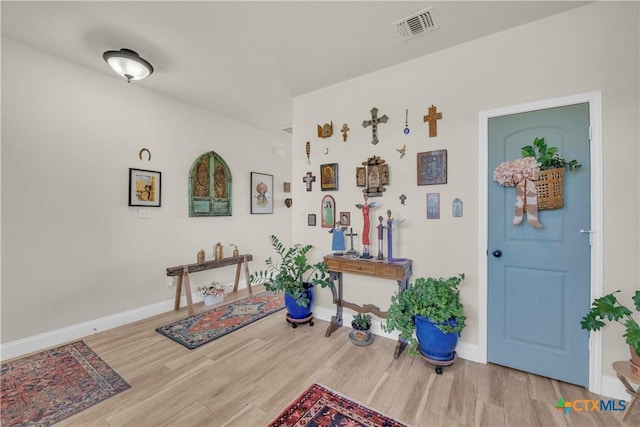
{"x":548,"y":157}
{"x":293,"y":273}
{"x":609,"y":308}
{"x":361,"y":322}
{"x":436,"y":299}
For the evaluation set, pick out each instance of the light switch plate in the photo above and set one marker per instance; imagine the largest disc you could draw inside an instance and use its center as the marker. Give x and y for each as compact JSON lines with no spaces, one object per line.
{"x":144,"y":213}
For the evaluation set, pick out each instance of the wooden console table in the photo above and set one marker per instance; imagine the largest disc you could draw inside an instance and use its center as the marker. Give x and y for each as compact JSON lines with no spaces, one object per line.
{"x":398,"y":271}
{"x":183,"y":271}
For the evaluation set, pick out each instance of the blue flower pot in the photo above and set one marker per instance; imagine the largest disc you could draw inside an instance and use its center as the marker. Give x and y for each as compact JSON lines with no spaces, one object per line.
{"x":295,"y":311}
{"x":434,"y":343}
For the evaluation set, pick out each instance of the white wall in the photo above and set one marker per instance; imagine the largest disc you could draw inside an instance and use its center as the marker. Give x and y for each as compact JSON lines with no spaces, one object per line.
{"x":72,"y":250}
{"x":587,"y":49}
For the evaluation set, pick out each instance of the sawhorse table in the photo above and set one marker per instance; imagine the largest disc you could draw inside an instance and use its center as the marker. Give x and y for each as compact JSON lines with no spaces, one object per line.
{"x":183,"y":271}
{"x":625,"y":373}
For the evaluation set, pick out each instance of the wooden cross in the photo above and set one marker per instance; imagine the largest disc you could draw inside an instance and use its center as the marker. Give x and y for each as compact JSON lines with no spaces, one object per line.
{"x":432,"y":118}
{"x":374,"y":124}
{"x":308,"y":179}
{"x":345,"y":129}
{"x":402,"y":198}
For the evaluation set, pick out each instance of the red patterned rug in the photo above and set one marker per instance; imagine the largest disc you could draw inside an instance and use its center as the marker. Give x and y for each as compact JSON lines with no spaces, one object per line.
{"x":319,"y":406}
{"x":45,"y":388}
{"x":203,"y":328}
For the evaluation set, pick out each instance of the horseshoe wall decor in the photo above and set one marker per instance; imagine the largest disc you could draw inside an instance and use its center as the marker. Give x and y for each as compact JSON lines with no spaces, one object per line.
{"x":142,"y":151}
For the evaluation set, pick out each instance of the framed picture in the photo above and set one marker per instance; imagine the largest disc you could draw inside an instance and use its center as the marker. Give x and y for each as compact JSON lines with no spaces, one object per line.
{"x":261,"y":193}
{"x":432,"y":167}
{"x":287,"y":187}
{"x":329,"y":177}
{"x":433,"y":205}
{"x":144,"y":187}
{"x":311,"y":220}
{"x":328,"y":209}
{"x":361,"y":180}
{"x":345,"y":218}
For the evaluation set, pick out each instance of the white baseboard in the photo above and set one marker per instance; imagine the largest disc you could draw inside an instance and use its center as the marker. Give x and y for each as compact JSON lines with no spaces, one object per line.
{"x":613,"y":388}
{"x":80,"y":330}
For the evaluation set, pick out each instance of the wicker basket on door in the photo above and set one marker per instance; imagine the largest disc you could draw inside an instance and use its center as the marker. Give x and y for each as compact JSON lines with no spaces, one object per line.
{"x":549,"y":186}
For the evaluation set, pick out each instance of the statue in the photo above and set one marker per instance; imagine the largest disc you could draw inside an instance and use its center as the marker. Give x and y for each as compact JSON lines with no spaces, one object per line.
{"x":337,"y":242}
{"x":380,"y":237}
{"x":390,"y":223}
{"x":367,"y":226}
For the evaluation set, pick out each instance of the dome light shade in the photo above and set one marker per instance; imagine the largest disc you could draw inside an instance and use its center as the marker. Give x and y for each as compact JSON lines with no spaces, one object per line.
{"x":128,"y":64}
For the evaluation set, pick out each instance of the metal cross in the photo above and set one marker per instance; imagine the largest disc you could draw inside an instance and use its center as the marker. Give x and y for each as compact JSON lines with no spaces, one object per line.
{"x":374,"y":124}
{"x":432,"y":118}
{"x":345,"y":129}
{"x":402,"y":198}
{"x":308,"y":179}
{"x":352,"y":251}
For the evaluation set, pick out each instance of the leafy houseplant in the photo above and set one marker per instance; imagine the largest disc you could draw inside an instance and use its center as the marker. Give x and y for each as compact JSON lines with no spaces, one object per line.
{"x":361,"y":333}
{"x":294,"y":273}
{"x":361,"y":322}
{"x":548,"y":157}
{"x":435,"y":299}
{"x":609,"y":308}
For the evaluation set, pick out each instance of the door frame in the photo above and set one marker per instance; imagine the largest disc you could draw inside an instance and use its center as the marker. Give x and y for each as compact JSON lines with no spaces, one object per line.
{"x":597,"y":207}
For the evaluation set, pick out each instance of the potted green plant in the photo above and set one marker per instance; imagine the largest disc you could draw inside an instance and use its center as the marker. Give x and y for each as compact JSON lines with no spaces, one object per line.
{"x":361,"y":332}
{"x":432,"y":309}
{"x":294,"y":275}
{"x":609,"y":308}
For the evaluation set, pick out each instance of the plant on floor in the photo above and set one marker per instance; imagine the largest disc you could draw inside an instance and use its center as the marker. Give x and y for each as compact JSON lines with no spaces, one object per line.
{"x":361,"y":322}
{"x":294,"y":273}
{"x":435,"y":299}
{"x":609,"y":308}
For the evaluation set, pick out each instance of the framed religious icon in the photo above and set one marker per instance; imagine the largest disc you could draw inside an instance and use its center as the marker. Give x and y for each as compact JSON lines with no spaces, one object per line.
{"x":329,"y":177}
{"x":144,"y":187}
{"x":433,"y":205}
{"x":328,"y":209}
{"x":311,"y":220}
{"x":376,"y":174}
{"x":361,"y":179}
{"x":261,"y":193}
{"x":345,"y":218}
{"x":432,"y":167}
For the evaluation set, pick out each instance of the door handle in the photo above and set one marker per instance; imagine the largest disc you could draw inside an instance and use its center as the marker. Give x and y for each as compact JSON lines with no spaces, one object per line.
{"x":497,"y":253}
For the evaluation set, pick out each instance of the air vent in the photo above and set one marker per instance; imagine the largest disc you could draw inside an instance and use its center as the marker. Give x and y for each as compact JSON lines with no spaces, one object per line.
{"x":414,"y":25}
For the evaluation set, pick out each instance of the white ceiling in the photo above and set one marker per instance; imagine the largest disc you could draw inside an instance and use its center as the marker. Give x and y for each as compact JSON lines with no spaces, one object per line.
{"x":247,"y":60}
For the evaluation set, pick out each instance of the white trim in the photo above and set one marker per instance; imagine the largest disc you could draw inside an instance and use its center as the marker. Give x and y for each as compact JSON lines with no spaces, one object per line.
{"x":597,"y":284}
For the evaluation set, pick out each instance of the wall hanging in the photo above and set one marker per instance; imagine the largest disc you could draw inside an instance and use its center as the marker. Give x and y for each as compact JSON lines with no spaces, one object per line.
{"x":456,"y":208}
{"x":432,"y":118}
{"x":344,"y":130}
{"x":432,"y":167}
{"x":361,"y":179}
{"x":374,"y":124}
{"x":377,"y":176}
{"x":309,"y":179}
{"x":345,"y":218}
{"x":326,"y":130}
{"x":328,"y":209}
{"x":329,"y":177}
{"x":433,"y":205}
{"x":307,"y":149}
{"x":144,"y":187}
{"x":261,"y":193}
{"x":210,"y":186}
{"x":406,"y":122}
{"x":402,"y":150}
{"x":311,"y":220}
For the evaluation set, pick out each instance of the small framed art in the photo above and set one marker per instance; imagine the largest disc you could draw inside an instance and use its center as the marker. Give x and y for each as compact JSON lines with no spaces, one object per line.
{"x":311,"y":220}
{"x":361,"y":180}
{"x":345,"y":218}
{"x":144,"y":187}
{"x":261,"y":193}
{"x":433,"y":205}
{"x":328,"y":209}
{"x":432,"y":167}
{"x":329,"y":177}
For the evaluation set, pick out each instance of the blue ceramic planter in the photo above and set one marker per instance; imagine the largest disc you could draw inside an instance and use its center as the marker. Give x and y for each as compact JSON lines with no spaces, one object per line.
{"x":434,"y":343}
{"x":295,"y":311}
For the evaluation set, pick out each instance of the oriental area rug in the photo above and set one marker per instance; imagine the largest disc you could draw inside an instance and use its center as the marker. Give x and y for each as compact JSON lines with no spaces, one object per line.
{"x":47,"y":387}
{"x":205,"y":327}
{"x":321,"y":406}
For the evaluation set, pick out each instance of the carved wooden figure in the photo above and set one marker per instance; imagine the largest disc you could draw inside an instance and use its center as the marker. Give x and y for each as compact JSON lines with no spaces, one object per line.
{"x":432,"y":118}
{"x":374,"y":124}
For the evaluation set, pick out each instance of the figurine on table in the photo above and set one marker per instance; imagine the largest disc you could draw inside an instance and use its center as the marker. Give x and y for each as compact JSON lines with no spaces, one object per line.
{"x":380,"y":228}
{"x":367,"y":226}
{"x":337,"y":241}
{"x":390,"y":223}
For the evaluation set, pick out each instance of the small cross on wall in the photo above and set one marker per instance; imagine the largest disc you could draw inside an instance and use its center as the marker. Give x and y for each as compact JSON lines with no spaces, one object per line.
{"x":309,"y":179}
{"x":432,"y":118}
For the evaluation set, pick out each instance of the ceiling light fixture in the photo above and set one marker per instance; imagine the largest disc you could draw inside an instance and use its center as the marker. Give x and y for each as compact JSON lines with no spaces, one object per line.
{"x":128,"y":64}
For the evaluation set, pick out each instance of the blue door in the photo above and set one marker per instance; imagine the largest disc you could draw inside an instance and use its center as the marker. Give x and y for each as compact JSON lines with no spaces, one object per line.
{"x":539,"y":278}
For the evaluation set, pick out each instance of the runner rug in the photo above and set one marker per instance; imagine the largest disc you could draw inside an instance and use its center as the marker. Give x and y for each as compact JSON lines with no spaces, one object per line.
{"x":320,"y":406}
{"x":205,"y":327}
{"x":45,"y":388}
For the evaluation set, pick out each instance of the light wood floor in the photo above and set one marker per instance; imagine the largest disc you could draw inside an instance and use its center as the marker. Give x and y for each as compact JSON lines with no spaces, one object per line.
{"x":246,"y":378}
